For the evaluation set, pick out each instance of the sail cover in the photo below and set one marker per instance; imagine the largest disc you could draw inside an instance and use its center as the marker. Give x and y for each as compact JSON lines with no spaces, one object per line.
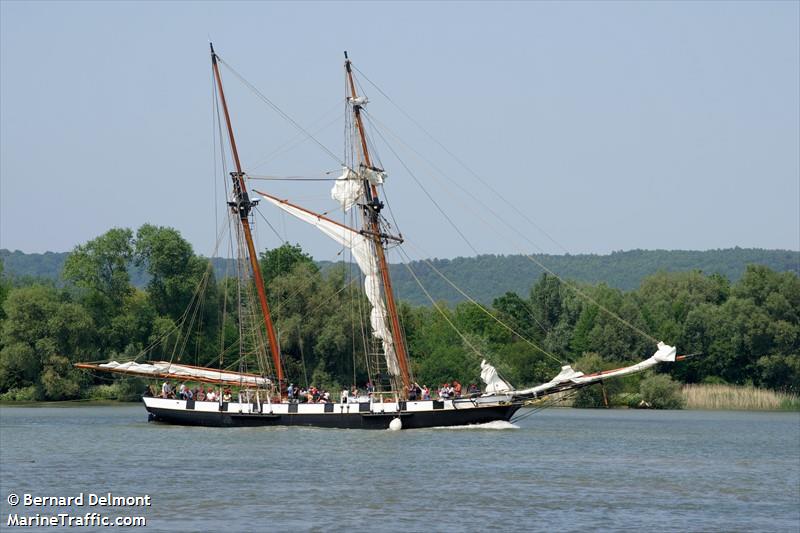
{"x":569,"y":378}
{"x":167,"y":370}
{"x":494,"y":383}
{"x":362,"y":250}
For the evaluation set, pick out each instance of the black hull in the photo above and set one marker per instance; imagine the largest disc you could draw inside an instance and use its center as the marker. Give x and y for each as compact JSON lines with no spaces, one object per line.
{"x":410,"y":420}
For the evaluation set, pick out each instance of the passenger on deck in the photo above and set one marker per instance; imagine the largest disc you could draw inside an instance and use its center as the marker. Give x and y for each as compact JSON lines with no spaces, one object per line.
{"x":166,"y":390}
{"x":344,"y":396}
{"x":226,"y":396}
{"x":201,"y":395}
{"x":182,"y":391}
{"x":211,"y":395}
{"x":456,"y":389}
{"x":426,"y":393}
{"x":473,"y":389}
{"x":412,"y":392}
{"x":444,"y":391}
{"x":290,"y":391}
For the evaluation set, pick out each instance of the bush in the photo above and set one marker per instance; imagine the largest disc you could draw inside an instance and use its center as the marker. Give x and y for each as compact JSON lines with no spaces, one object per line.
{"x":23,"y":394}
{"x":634,"y":401}
{"x":124,"y":390}
{"x":790,"y":403}
{"x":661,"y":392}
{"x":103,"y":392}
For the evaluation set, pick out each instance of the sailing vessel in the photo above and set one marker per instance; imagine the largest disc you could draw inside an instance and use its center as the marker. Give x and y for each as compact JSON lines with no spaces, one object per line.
{"x":262,"y":399}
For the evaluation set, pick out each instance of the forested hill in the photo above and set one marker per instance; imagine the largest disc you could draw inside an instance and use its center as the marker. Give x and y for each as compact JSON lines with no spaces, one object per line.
{"x":487,"y":276}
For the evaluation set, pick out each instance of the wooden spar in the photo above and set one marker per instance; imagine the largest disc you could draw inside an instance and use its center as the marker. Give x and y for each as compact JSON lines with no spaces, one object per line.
{"x":166,"y":375}
{"x":243,"y":208}
{"x":326,"y":219}
{"x":391,"y":308}
{"x":304,"y":210}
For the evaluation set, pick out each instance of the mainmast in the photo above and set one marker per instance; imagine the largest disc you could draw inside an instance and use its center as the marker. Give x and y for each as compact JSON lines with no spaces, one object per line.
{"x":242,"y":205}
{"x":372,"y":211}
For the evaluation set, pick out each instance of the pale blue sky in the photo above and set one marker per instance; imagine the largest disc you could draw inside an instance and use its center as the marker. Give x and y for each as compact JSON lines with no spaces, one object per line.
{"x":612,"y":125}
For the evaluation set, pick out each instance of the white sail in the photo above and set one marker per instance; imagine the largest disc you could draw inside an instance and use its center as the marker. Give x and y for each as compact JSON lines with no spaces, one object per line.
{"x":362,"y":249}
{"x":165,"y":369}
{"x":347,"y":189}
{"x":375,"y":177}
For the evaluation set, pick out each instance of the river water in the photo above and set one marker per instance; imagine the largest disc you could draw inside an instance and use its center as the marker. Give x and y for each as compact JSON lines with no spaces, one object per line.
{"x":560,"y":469}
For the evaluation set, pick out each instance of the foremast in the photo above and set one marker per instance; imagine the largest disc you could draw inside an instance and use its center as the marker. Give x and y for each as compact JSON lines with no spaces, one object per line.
{"x":241,"y":206}
{"x":371,"y":210}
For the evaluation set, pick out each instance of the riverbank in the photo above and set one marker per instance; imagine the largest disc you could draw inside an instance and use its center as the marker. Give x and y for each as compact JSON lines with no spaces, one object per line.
{"x":696,"y":397}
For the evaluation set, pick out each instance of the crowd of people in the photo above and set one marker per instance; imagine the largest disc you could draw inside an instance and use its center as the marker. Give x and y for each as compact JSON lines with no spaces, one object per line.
{"x":307,"y":395}
{"x":312,"y":394}
{"x":446,"y":391}
{"x":200,"y":393}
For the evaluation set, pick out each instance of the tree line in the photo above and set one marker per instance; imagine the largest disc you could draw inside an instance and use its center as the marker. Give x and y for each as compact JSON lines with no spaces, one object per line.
{"x":747,"y":332}
{"x":486,"y":276}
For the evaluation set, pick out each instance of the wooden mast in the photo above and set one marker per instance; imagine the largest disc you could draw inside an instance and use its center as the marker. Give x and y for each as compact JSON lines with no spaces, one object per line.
{"x":372,"y":209}
{"x":242,"y":206}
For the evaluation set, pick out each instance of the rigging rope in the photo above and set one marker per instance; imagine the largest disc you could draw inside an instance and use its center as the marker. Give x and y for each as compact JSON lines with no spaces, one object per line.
{"x":298,"y":139}
{"x":529,"y":257}
{"x":444,"y":315}
{"x":430,"y":197}
{"x":462,"y":163}
{"x":486,"y":311}
{"x":545,"y":405}
{"x":278,"y":110}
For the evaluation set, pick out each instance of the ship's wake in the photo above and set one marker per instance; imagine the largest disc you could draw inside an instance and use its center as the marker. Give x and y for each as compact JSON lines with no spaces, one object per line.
{"x":494,"y":424}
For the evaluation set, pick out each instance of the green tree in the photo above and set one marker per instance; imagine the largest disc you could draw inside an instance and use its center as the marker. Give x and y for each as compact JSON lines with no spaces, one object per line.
{"x":667,"y":298}
{"x":101,"y":268}
{"x":282,"y":260}
{"x":42,"y":334}
{"x":546,"y":301}
{"x":175,"y":272}
{"x":5,"y":286}
{"x":517,"y":313}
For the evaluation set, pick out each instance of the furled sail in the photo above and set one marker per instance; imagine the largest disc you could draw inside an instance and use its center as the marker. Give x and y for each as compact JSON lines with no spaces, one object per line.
{"x":167,"y":370}
{"x":494,"y":383}
{"x":347,"y":188}
{"x":362,"y":249}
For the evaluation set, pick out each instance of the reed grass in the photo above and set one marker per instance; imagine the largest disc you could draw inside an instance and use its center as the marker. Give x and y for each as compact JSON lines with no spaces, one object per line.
{"x":738,"y":397}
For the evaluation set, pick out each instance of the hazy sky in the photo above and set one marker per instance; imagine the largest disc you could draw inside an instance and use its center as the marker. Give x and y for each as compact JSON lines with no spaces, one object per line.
{"x":612,"y":126}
